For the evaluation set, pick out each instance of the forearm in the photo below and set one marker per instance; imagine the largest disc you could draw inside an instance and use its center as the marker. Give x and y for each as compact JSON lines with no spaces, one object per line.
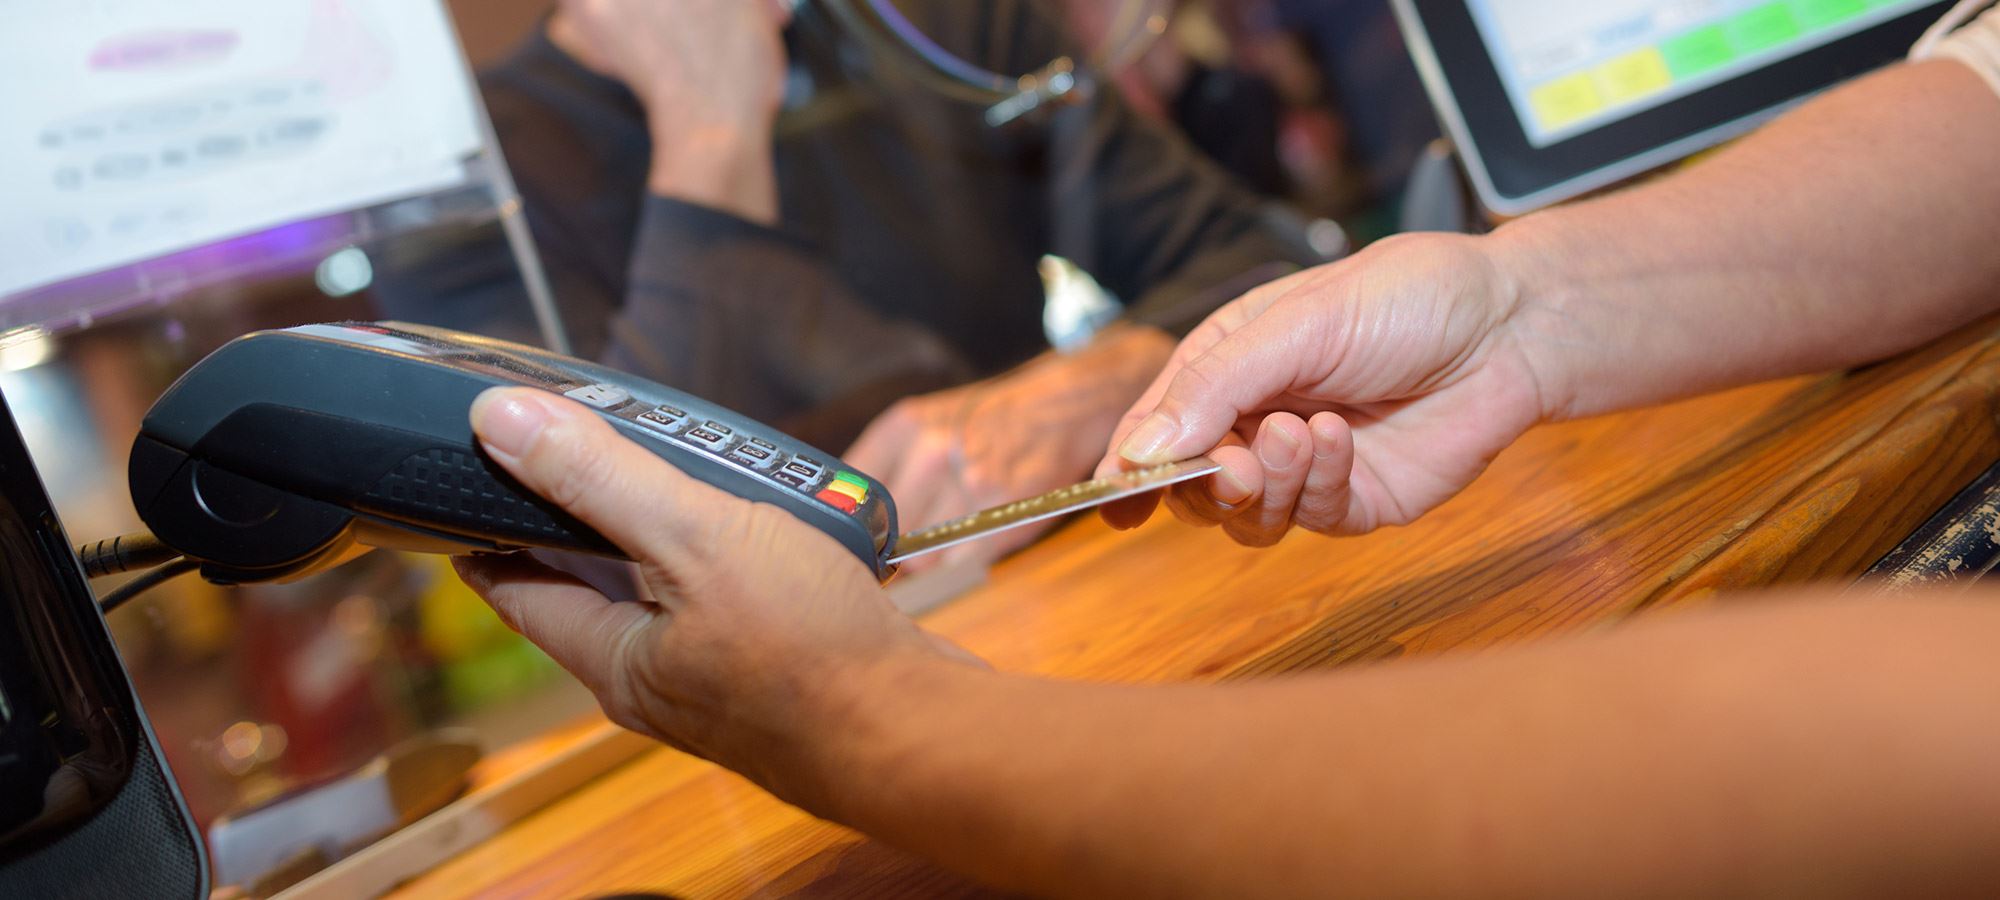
{"x":1826,"y":749}
{"x":1859,"y":225}
{"x":709,"y":97}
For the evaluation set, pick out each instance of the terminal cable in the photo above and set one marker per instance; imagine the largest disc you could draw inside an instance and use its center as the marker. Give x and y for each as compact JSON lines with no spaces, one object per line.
{"x":152,"y":578}
{"x":124,"y":553}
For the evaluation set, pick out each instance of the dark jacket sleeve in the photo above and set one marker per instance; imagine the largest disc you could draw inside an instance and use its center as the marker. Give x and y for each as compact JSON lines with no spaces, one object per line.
{"x":752,"y":318}
{"x":1158,"y":224}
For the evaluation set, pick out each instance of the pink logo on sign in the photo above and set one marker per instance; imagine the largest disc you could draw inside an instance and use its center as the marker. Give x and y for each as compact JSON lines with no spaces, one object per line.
{"x":162,"y":50}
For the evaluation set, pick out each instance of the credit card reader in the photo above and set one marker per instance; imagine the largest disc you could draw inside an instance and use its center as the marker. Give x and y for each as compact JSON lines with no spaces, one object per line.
{"x":286,"y":452}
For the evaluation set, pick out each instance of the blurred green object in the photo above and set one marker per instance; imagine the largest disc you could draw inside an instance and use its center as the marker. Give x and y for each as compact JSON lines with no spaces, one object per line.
{"x":480,"y":659}
{"x":504,"y":671}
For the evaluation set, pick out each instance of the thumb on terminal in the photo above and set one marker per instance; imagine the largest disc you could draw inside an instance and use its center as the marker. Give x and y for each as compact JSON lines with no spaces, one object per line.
{"x":572,"y":456}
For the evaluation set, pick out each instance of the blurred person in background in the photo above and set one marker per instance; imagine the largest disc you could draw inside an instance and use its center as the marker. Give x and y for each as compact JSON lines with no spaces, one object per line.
{"x":747,"y":209}
{"x":1245,"y":88}
{"x":1365,"y":78}
{"x":1193,"y":79}
{"x":1314,"y":101}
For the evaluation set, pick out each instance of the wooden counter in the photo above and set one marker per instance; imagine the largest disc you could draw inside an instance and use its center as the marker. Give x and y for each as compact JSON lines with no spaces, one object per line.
{"x":1577,"y":526}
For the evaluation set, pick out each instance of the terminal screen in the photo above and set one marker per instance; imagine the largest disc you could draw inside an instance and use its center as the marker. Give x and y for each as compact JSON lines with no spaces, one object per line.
{"x":1573,"y":65}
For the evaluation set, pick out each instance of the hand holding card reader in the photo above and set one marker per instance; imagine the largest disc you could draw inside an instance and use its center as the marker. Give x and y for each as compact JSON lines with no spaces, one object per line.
{"x":286,"y":452}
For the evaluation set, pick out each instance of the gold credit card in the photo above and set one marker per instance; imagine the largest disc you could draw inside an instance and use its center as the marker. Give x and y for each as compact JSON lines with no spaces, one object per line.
{"x":1048,"y":506}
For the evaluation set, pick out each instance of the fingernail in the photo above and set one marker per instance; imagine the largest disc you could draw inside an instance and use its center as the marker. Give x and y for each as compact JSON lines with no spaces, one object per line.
{"x":1148,"y":442}
{"x":1278,"y":454}
{"x":1228,"y":488}
{"x":1325,"y":438}
{"x":506,"y":422}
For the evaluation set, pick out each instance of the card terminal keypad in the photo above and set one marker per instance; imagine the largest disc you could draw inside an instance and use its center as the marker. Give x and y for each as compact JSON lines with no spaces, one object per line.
{"x":704,"y":438}
{"x":798,"y":472}
{"x":664,"y":418}
{"x":753,"y":456}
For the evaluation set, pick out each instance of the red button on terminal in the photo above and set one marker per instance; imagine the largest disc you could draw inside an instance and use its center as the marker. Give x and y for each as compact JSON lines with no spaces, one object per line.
{"x":838,"y":500}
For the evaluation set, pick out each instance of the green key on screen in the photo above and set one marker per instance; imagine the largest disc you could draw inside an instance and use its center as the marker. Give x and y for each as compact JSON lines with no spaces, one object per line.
{"x":1763,"y":27}
{"x":1816,"y":14}
{"x":1698,"y":51}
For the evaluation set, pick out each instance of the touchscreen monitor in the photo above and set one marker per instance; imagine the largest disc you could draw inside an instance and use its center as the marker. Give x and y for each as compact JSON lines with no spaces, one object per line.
{"x":1547,"y":99}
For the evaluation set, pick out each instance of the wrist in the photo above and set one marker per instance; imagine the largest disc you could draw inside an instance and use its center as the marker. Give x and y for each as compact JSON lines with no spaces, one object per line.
{"x":875,"y":729}
{"x":727,"y":168}
{"x":1144,"y":345}
{"x":1538,"y":310}
{"x":1121,"y":360}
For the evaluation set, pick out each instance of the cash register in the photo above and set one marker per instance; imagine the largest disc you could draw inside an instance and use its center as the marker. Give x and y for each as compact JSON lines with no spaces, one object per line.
{"x":87,"y":805}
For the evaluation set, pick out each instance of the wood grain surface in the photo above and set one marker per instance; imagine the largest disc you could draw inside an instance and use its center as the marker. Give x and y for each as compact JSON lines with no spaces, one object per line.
{"x":1576,"y":527}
